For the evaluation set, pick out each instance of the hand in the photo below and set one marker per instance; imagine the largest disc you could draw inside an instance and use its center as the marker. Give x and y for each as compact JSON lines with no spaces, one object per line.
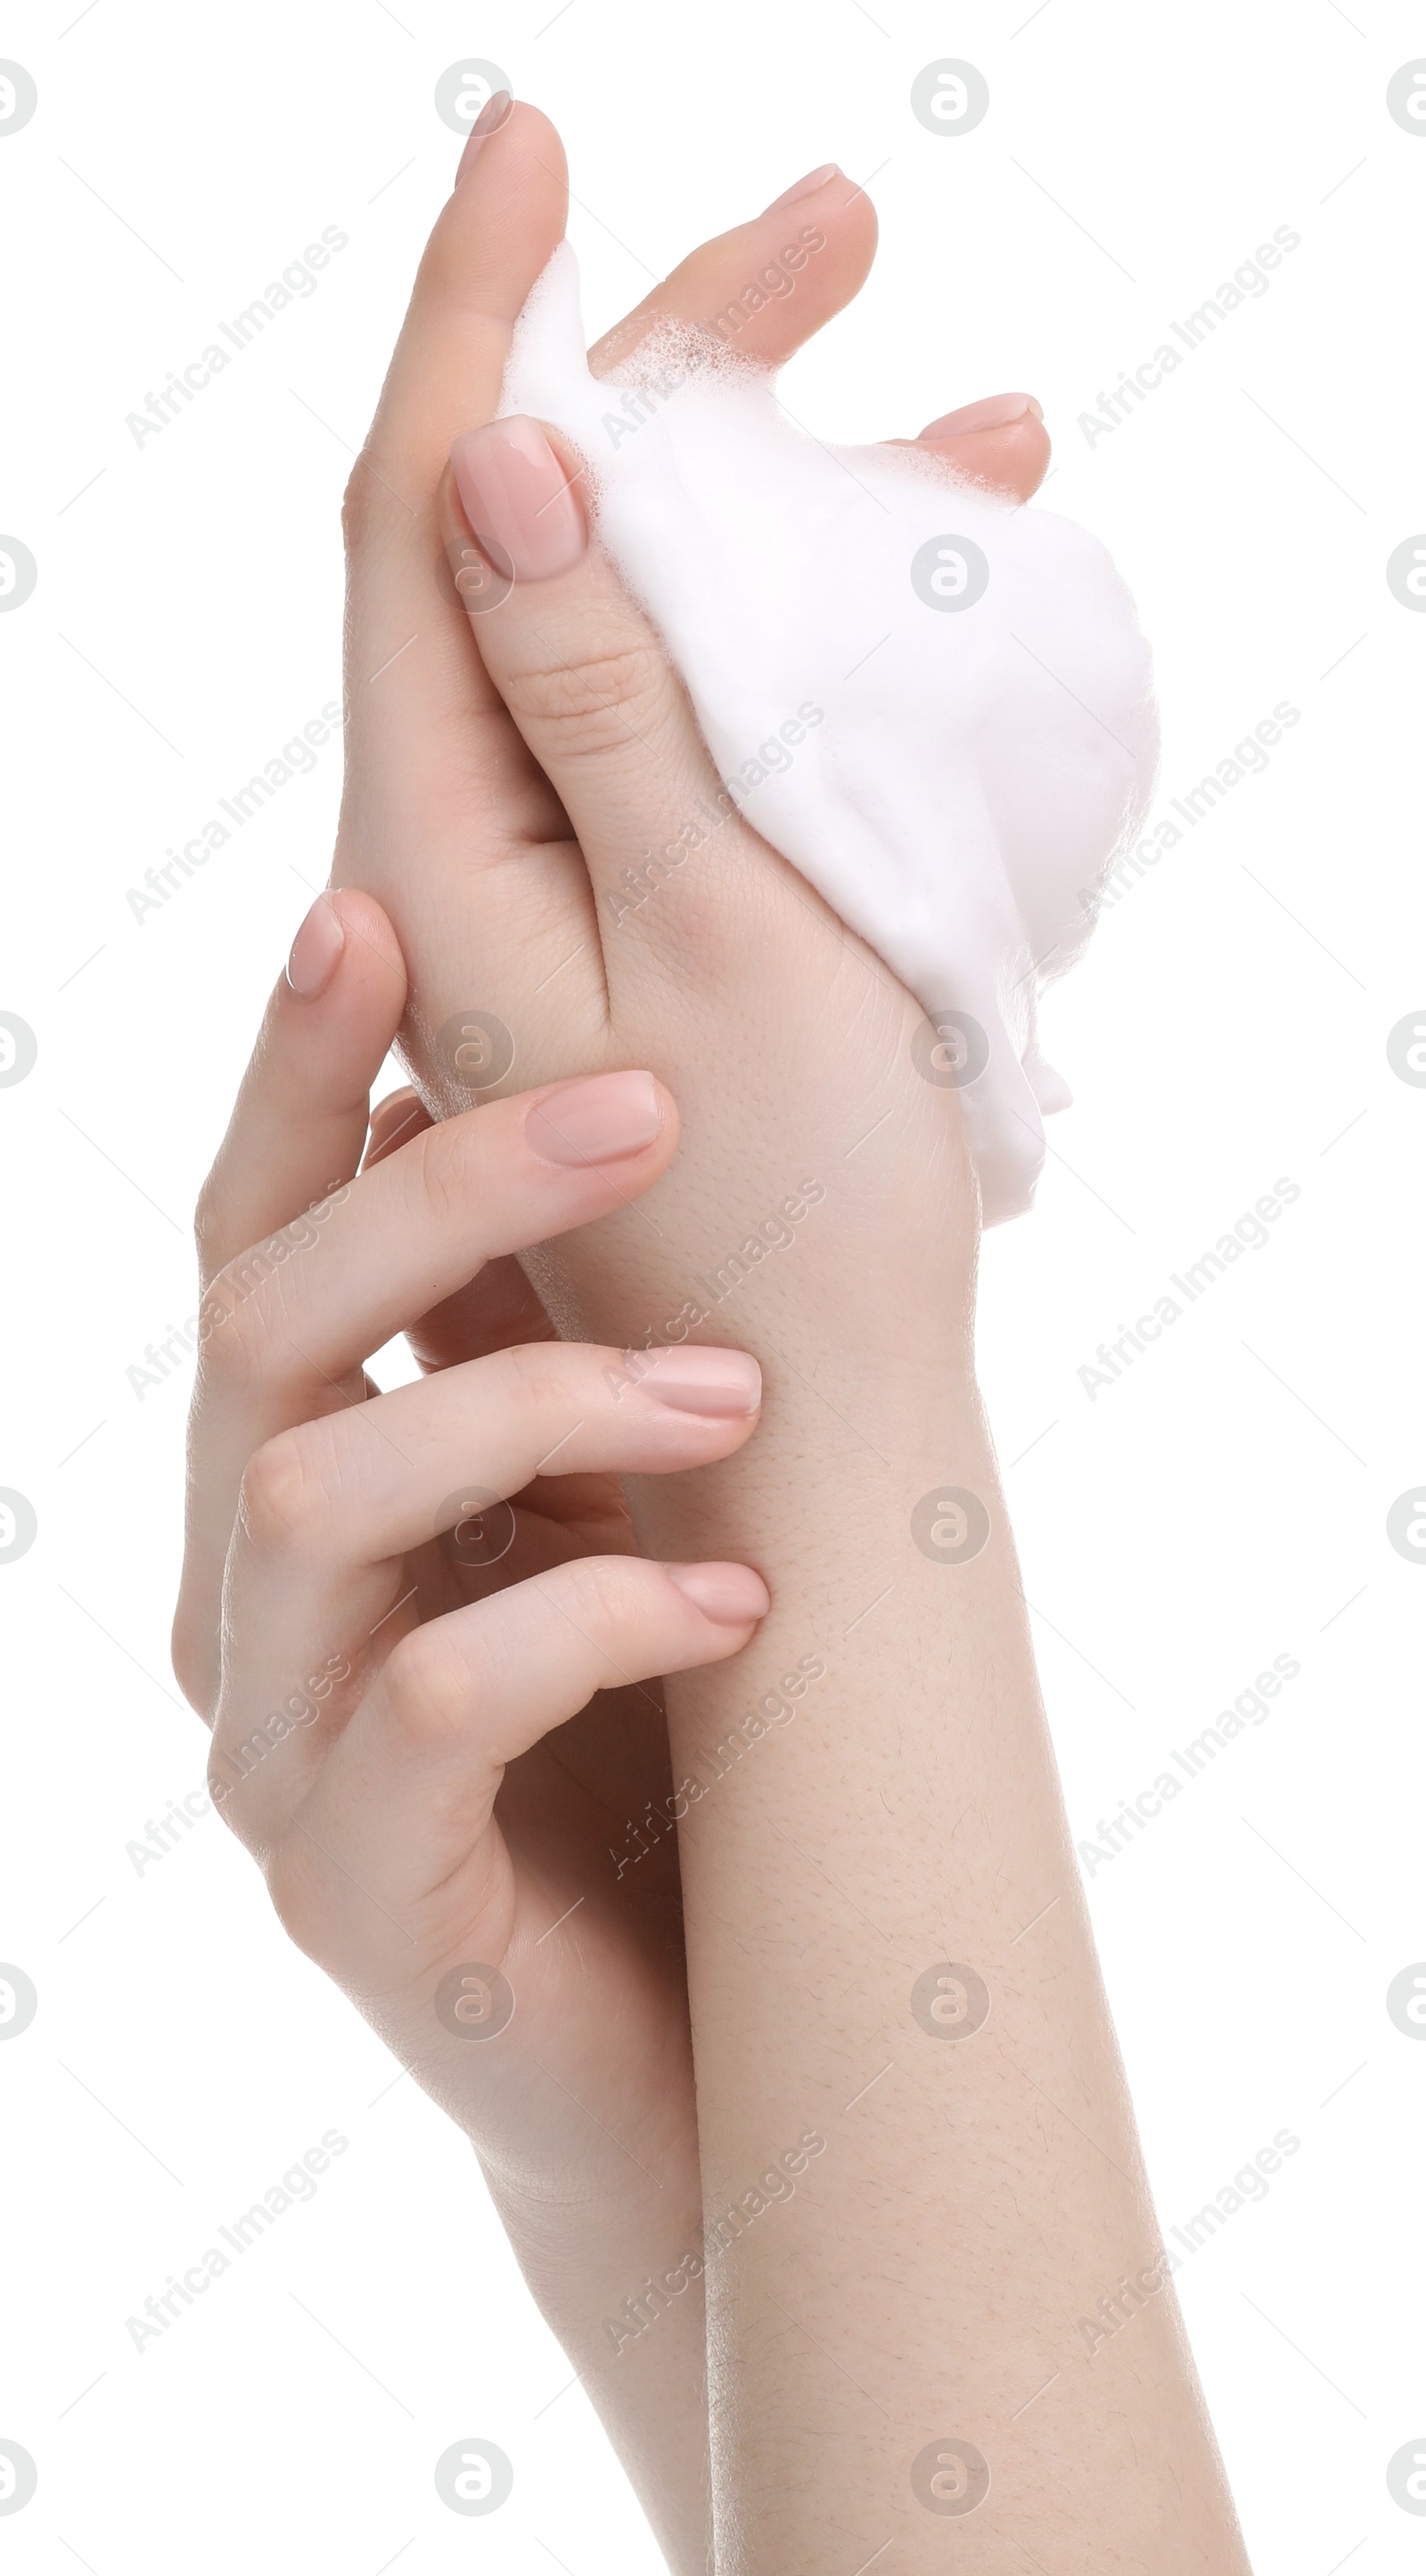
{"x":495,"y":802}
{"x":939,"y":2252}
{"x":439,"y":1761}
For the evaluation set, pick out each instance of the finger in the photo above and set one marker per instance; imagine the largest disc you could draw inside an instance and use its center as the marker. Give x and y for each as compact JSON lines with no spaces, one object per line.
{"x":394,"y":1856}
{"x":395,"y":1120}
{"x":493,"y":1181}
{"x":332,"y":1510}
{"x":301,"y":1114}
{"x":765,"y":287}
{"x":432,"y":762}
{"x":1001,"y":441}
{"x":284,"y":1328}
{"x":586,"y":679}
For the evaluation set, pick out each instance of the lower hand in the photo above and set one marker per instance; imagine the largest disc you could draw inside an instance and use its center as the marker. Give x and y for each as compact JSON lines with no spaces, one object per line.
{"x":440,"y":1761}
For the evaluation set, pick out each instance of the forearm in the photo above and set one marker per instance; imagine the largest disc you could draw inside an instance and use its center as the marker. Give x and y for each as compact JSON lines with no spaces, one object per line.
{"x":611,"y":2279}
{"x":981,"y":2191}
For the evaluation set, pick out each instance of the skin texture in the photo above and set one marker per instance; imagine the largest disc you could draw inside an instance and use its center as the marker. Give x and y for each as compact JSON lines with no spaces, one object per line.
{"x":409,"y":1747}
{"x":977,"y":2192}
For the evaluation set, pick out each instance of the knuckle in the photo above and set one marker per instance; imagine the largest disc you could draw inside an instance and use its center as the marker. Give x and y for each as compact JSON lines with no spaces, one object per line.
{"x":283,"y":1502}
{"x":534,"y":1377}
{"x":611,"y":687}
{"x":605,"y":1596}
{"x":233,"y":1331}
{"x":446,"y":1165}
{"x":428,"y":1695}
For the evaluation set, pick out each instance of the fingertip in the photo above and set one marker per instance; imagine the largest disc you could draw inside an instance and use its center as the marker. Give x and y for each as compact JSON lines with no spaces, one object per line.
{"x":731,"y":1596}
{"x":505,"y":214}
{"x":394,"y":1121}
{"x":1013,"y":459}
{"x":345,"y":977}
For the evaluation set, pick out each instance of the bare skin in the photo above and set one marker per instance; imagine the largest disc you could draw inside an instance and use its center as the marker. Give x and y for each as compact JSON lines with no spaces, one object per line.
{"x":922,"y":2284}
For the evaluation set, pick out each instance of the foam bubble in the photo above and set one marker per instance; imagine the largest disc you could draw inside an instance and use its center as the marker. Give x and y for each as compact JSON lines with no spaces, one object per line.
{"x":985,"y":736}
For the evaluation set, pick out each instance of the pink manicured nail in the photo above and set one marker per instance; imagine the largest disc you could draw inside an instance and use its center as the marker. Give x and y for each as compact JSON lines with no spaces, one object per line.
{"x":600,"y":1121}
{"x":997,"y":411}
{"x":731,"y":1595}
{"x":315,"y":950}
{"x":721,"y":1385}
{"x":807,"y":187}
{"x":518,"y":498}
{"x":497,"y":107}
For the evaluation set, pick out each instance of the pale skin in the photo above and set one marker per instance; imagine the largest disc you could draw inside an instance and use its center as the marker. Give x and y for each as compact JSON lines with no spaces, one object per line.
{"x":980,"y":2190}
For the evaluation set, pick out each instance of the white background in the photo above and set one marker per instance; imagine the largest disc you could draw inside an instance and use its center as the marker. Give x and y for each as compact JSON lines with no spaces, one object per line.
{"x":1223,"y":1503}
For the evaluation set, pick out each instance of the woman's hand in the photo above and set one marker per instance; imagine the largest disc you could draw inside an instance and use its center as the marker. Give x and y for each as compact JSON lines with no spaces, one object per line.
{"x":897,"y":2339}
{"x":436,"y":1721}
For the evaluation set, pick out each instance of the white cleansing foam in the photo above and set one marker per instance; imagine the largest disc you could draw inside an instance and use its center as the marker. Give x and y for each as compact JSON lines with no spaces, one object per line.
{"x":987,"y":737}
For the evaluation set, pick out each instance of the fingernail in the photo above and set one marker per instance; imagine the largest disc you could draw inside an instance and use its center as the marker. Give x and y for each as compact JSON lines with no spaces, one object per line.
{"x":996,"y":412}
{"x":518,"y":498}
{"x":600,"y":1121}
{"x":497,"y":107}
{"x":720,"y":1385}
{"x":807,"y":187}
{"x":732,"y":1595}
{"x":314,"y":952}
